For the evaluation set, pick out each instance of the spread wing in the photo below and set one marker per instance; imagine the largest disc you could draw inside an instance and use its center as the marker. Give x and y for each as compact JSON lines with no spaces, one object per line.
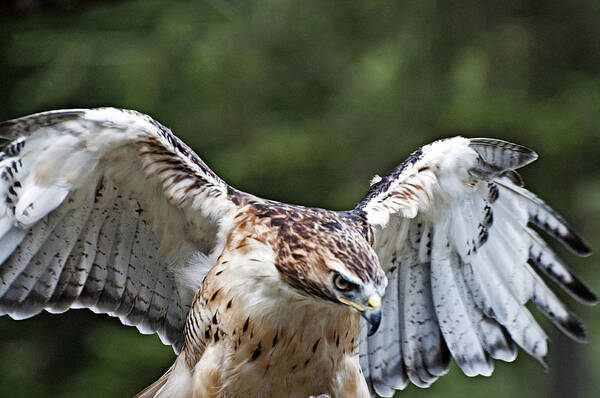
{"x":452,"y":231}
{"x":105,"y":209}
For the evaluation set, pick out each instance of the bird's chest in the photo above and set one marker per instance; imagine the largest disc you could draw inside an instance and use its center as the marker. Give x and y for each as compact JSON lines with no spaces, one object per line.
{"x":244,"y":346}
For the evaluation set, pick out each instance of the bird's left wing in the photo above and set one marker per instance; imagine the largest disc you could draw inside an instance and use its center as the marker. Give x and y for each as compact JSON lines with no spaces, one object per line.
{"x":106,"y":209}
{"x":452,"y":232}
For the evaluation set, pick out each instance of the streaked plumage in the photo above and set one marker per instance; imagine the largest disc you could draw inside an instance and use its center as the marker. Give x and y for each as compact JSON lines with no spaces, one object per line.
{"x":106,"y":209}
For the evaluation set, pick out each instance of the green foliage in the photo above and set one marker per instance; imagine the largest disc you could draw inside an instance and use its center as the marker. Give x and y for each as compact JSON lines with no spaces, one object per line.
{"x":303,"y":101}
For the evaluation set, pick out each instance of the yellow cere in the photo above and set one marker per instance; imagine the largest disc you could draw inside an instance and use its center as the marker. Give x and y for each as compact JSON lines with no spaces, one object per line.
{"x":374,"y":301}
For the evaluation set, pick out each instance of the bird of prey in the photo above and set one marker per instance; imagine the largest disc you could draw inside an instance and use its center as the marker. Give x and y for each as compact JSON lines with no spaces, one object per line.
{"x":106,"y":209}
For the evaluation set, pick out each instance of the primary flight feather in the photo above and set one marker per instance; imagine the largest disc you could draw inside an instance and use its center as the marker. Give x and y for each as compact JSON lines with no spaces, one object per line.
{"x":106,"y":209}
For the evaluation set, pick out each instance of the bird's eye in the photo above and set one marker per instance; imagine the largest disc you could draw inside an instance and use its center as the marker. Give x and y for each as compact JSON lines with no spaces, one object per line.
{"x":342,"y":283}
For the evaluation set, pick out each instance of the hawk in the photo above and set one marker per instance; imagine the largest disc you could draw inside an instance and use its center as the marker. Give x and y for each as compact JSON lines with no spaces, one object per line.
{"x":106,"y":209}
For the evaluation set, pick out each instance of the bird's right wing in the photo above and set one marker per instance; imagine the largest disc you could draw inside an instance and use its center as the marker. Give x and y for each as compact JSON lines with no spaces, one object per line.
{"x":106,"y":209}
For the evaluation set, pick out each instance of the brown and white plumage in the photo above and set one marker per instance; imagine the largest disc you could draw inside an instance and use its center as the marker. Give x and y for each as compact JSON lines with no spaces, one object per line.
{"x":106,"y":209}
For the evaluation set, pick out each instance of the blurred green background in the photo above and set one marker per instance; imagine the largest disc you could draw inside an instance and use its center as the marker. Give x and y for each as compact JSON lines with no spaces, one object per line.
{"x":303,"y":101}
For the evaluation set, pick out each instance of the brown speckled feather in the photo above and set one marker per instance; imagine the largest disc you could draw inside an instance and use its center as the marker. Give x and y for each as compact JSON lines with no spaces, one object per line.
{"x":253,"y":326}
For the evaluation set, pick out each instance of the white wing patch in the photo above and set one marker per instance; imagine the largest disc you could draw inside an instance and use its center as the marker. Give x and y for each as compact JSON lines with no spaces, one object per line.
{"x":451,"y":231}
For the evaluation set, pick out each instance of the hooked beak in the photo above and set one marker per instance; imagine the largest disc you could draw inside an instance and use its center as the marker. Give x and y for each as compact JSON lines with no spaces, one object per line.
{"x":371,"y":312}
{"x":374,"y":319}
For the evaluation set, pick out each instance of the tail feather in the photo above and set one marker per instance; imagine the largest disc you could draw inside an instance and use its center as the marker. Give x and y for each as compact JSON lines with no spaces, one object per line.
{"x":153,"y":389}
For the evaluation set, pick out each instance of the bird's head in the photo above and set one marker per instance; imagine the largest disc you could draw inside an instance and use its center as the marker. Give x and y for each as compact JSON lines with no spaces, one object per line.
{"x":325,"y":256}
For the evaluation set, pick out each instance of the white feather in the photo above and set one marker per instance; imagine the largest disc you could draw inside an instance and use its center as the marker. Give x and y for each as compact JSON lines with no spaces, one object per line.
{"x":419,"y":328}
{"x":452,"y":310}
{"x":385,"y":347}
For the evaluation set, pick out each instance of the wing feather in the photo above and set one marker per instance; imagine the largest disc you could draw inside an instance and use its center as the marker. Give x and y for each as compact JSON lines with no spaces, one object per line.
{"x":118,"y":263}
{"x":452,"y":307}
{"x":423,"y":351}
{"x":546,"y":218}
{"x":549,"y":263}
{"x":80,"y":261}
{"x":16,"y":264}
{"x":97,"y":212}
{"x":363,"y":355}
{"x":53,"y":256}
{"x":387,"y":372}
{"x":98,"y":274}
{"x":467,"y":252}
{"x":140,"y":280}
